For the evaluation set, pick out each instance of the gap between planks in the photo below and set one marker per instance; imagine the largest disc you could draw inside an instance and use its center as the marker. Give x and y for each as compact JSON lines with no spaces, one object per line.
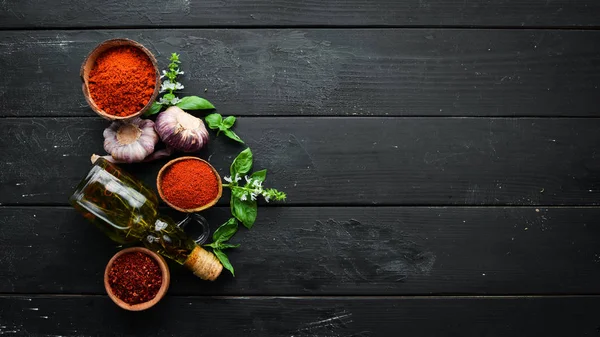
{"x":325,"y":116}
{"x":307,"y":26}
{"x":333,"y":205}
{"x":325,"y":297}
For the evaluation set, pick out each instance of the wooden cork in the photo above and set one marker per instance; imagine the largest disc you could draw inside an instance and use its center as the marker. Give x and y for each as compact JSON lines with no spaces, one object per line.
{"x":204,"y":264}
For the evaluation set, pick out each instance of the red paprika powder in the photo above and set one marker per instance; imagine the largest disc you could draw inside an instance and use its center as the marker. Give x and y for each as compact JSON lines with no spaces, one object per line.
{"x":135,"y":278}
{"x":189,"y":184}
{"x":122,"y":80}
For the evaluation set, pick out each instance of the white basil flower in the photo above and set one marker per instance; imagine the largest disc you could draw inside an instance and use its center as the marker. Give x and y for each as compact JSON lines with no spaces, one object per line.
{"x":228,"y":179}
{"x":166,"y":101}
{"x":243,"y":197}
{"x":165,"y":85}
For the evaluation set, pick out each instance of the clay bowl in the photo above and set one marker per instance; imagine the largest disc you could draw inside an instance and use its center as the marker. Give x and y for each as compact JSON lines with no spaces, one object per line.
{"x":191,"y":210}
{"x":166,"y":279}
{"x":87,"y":65}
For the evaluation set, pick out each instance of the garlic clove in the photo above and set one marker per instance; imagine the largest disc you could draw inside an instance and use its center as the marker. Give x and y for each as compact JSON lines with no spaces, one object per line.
{"x":110,"y":137}
{"x":148,"y":141}
{"x":130,"y":153}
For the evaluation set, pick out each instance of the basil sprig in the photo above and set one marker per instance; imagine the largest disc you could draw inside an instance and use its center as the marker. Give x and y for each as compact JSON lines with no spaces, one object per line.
{"x":216,"y":122}
{"x":220,"y":238}
{"x":169,"y":86}
{"x":244,"y":197}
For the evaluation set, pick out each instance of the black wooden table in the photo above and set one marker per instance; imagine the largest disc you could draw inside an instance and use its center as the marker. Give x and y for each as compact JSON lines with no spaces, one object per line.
{"x":439,"y":157}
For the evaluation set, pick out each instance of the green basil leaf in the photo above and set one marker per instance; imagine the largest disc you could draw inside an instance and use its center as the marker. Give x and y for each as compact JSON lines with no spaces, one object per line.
{"x":169,"y":97}
{"x":221,"y":245}
{"x":228,"y":122}
{"x":194,"y":103}
{"x":225,"y":231}
{"x":213,"y":121}
{"x":233,"y":136}
{"x":245,"y":211}
{"x":154,"y":109}
{"x":242,"y":163}
{"x":259,"y":175}
{"x":224,"y":260}
{"x":228,"y":245}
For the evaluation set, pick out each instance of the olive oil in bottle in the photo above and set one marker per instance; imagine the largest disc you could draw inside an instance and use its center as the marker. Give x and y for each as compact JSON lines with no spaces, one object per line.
{"x":127,"y":212}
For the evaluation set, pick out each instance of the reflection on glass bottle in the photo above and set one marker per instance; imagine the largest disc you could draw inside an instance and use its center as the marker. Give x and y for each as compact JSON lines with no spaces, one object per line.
{"x":127,"y":211}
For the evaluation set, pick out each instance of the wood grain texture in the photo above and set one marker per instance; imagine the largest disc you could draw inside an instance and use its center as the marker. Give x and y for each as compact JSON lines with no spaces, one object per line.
{"x":260,"y":13}
{"x":333,"y":251}
{"x":343,"y":161}
{"x":389,"y":72}
{"x":202,"y":316}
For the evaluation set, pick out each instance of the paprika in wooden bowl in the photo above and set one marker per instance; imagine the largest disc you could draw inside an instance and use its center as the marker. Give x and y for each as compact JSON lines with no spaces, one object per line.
{"x":136,"y":278}
{"x":189,"y":184}
{"x":120,"y":79}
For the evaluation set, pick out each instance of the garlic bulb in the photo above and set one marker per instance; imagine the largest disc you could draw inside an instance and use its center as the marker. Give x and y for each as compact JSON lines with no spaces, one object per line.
{"x":155,"y":155}
{"x":180,"y":130}
{"x":130,"y":141}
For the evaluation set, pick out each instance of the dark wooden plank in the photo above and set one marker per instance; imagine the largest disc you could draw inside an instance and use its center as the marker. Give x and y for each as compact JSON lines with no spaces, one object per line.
{"x":417,"y":72}
{"x":202,"y":316}
{"x":333,"y":251}
{"x":358,"y":161}
{"x":194,"y":13}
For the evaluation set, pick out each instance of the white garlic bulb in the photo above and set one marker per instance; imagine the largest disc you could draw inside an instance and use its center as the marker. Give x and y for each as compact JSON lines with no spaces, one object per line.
{"x":130,"y":141}
{"x":180,"y":130}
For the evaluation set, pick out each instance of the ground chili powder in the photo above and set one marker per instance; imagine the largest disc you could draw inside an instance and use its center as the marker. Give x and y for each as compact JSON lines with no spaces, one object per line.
{"x":135,"y":278}
{"x":189,"y":184}
{"x":122,"y":81}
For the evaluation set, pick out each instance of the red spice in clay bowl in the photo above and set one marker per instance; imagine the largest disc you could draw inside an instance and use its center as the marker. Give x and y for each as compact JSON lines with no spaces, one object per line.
{"x":189,"y":184}
{"x":136,"y":278}
{"x":120,"y":79}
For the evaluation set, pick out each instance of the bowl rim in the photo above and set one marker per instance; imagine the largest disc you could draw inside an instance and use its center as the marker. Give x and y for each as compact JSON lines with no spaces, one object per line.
{"x":191,"y":210}
{"x":93,"y":55}
{"x":166,"y":280}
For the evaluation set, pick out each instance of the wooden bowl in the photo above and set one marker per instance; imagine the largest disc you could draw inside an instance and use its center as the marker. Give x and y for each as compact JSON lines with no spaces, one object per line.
{"x":166,"y":279}
{"x":191,"y":210}
{"x":87,"y":65}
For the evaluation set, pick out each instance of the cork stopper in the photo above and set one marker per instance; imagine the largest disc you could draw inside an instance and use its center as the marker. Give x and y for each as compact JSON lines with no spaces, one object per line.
{"x":204,"y":264}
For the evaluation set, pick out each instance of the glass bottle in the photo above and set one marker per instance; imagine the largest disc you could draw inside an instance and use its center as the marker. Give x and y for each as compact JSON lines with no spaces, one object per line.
{"x":127,"y":212}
